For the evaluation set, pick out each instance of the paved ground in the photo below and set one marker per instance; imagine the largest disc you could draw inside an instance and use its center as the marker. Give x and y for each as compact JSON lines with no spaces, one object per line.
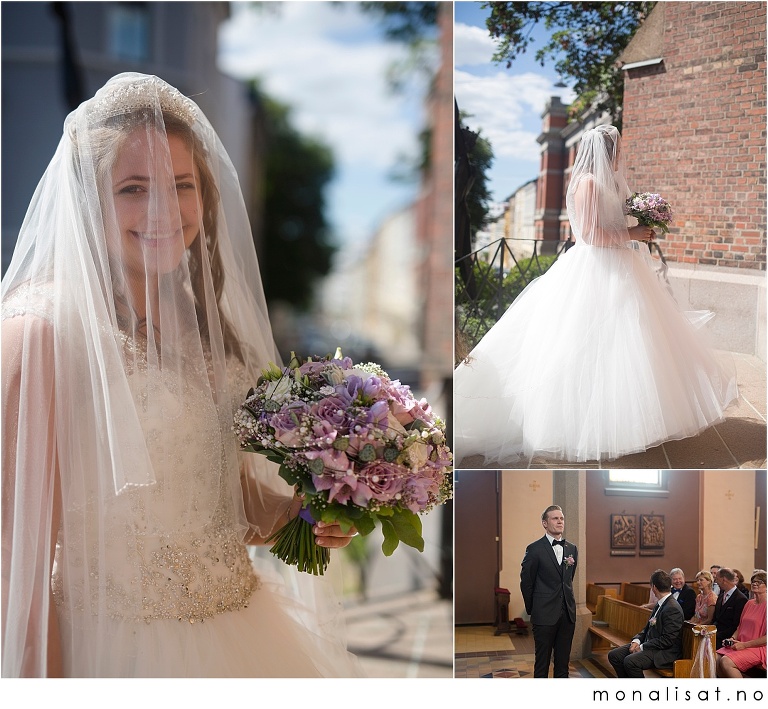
{"x":410,"y":635}
{"x":737,"y":442}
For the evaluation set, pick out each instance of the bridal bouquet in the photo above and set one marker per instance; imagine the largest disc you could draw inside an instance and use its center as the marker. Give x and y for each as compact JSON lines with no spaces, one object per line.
{"x":649,"y":209}
{"x":357,"y":446}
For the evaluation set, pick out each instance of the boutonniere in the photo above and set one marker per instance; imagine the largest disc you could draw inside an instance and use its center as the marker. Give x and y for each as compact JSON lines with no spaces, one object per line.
{"x":652,"y":622}
{"x":569,"y":560}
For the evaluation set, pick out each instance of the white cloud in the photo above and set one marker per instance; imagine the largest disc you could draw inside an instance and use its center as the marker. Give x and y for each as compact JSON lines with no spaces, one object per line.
{"x":472,"y":46}
{"x":502,"y":106}
{"x":327,"y":64}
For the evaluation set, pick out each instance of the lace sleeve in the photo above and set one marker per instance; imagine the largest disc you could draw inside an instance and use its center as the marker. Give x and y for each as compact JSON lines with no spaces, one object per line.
{"x":31,"y":497}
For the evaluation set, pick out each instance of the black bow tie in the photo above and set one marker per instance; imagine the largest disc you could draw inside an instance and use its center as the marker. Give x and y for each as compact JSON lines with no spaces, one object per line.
{"x":561,"y":542}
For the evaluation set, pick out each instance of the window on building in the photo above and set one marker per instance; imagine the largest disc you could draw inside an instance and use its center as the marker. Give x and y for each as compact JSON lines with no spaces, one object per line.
{"x":647,"y":483}
{"x":128,"y":31}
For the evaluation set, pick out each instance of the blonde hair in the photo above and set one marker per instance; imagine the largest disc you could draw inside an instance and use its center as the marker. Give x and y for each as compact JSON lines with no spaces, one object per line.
{"x":705,"y":575}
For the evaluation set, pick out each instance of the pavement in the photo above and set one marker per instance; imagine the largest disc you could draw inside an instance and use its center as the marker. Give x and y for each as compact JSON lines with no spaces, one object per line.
{"x":406,"y":635}
{"x":737,"y":442}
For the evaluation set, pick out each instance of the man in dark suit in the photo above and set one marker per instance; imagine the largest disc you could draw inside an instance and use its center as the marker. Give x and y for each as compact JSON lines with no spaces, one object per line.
{"x":660,"y":642}
{"x":683,"y":593}
{"x":729,"y":605}
{"x":546,"y":582}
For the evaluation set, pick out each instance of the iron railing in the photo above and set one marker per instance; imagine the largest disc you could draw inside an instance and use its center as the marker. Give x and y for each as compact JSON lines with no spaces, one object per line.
{"x":490,"y":278}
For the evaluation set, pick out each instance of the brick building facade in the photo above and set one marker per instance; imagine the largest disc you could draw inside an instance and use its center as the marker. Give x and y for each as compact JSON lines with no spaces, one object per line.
{"x":694,"y":127}
{"x":694,"y":130}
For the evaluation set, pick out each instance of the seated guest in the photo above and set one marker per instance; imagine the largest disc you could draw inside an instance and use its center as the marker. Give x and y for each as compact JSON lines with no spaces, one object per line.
{"x":740,"y":583}
{"x":729,"y":605}
{"x":660,"y":642}
{"x":755,"y":571}
{"x":713,"y":570}
{"x":748,"y":648}
{"x":683,"y":593}
{"x":704,"y":607}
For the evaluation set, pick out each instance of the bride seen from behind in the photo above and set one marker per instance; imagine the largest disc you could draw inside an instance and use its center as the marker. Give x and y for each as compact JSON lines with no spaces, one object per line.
{"x":594,"y":360}
{"x":133,"y":324}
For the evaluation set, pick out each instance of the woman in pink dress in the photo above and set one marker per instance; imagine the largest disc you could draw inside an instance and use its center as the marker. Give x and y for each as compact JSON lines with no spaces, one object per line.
{"x":747,"y":646}
{"x":705,"y":600}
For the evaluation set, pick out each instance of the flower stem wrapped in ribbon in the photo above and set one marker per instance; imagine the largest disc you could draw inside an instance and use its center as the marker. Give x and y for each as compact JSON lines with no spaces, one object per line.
{"x":355,"y":444}
{"x":650,"y":209}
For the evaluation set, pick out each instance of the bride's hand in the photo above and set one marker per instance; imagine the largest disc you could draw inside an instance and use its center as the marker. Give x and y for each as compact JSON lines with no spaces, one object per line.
{"x":331,"y":536}
{"x":640,"y":233}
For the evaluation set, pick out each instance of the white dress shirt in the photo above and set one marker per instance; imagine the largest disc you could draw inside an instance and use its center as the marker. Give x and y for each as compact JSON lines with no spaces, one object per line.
{"x":558,"y":548}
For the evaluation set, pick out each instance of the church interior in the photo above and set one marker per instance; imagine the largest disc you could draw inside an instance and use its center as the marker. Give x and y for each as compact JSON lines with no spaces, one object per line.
{"x":625,"y":524}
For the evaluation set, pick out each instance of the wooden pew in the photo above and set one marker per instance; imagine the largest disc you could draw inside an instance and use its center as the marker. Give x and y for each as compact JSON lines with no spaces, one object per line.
{"x":691,"y":643}
{"x":617,"y":622}
{"x":594,"y":591}
{"x":634,"y":593}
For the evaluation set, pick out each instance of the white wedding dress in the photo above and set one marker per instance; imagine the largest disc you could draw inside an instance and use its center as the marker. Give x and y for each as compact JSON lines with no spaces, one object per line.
{"x":595,"y":359}
{"x":134,"y":322}
{"x":180,"y":596}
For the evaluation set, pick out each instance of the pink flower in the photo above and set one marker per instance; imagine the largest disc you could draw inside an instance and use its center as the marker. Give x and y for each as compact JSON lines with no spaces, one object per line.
{"x":334,"y":461}
{"x":569,"y":560}
{"x":343,"y":488}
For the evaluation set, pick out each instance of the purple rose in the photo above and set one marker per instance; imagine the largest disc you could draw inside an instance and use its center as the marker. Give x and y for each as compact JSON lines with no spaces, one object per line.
{"x":333,"y":410}
{"x":421,"y":489}
{"x":385,"y":480}
{"x":287,"y":423}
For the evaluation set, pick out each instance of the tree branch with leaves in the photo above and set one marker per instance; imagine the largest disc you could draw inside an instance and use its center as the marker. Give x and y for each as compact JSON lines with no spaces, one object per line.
{"x":585,"y":42}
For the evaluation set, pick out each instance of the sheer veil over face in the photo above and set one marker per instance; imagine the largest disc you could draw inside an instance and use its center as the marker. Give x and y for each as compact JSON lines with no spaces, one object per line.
{"x":598,"y":189}
{"x":133,"y":323}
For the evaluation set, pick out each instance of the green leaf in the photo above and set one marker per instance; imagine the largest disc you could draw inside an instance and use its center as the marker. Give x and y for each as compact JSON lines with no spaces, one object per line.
{"x":407,"y":526}
{"x":365,"y":525}
{"x":290,"y":476}
{"x":391,"y":539}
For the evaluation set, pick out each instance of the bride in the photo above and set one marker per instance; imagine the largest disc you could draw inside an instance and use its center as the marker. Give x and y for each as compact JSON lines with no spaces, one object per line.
{"x":594,"y":360}
{"x":133,"y":325}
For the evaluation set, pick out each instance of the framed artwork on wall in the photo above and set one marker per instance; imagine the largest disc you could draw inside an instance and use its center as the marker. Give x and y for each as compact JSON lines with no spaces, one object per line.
{"x":652,"y":535}
{"x":623,"y":534}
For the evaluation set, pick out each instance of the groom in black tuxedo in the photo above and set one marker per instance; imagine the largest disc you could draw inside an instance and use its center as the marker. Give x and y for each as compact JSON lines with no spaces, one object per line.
{"x":546,"y":581}
{"x":660,"y":642}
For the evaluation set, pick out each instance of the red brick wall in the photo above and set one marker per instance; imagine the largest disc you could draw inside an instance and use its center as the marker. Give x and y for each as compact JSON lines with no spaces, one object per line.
{"x":694,"y":131}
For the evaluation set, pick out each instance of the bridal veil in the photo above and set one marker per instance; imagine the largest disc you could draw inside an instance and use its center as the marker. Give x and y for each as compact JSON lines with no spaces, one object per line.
{"x":133,"y":324}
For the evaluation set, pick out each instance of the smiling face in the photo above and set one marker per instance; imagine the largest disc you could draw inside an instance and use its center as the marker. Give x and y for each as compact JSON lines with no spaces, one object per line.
{"x":157,"y":202}
{"x":554,"y":523}
{"x":678,"y":580}
{"x":703,"y":583}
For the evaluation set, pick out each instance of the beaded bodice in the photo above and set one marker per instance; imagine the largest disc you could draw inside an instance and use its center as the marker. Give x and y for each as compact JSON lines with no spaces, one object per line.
{"x":169,"y":550}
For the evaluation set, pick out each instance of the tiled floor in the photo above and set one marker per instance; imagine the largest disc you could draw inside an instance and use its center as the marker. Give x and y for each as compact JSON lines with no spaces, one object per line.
{"x":480,"y":654}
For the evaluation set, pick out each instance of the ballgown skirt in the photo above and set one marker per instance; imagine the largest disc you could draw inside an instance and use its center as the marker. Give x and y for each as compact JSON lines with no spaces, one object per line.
{"x":285,"y":631}
{"x":594,"y":360}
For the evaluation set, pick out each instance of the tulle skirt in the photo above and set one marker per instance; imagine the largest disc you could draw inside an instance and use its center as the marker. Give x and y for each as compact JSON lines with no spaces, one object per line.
{"x":276,"y":635}
{"x":594,"y":360}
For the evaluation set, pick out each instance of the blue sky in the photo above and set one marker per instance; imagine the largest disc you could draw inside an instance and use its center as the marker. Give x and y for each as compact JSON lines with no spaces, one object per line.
{"x":330,"y":63}
{"x":506,"y":104}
